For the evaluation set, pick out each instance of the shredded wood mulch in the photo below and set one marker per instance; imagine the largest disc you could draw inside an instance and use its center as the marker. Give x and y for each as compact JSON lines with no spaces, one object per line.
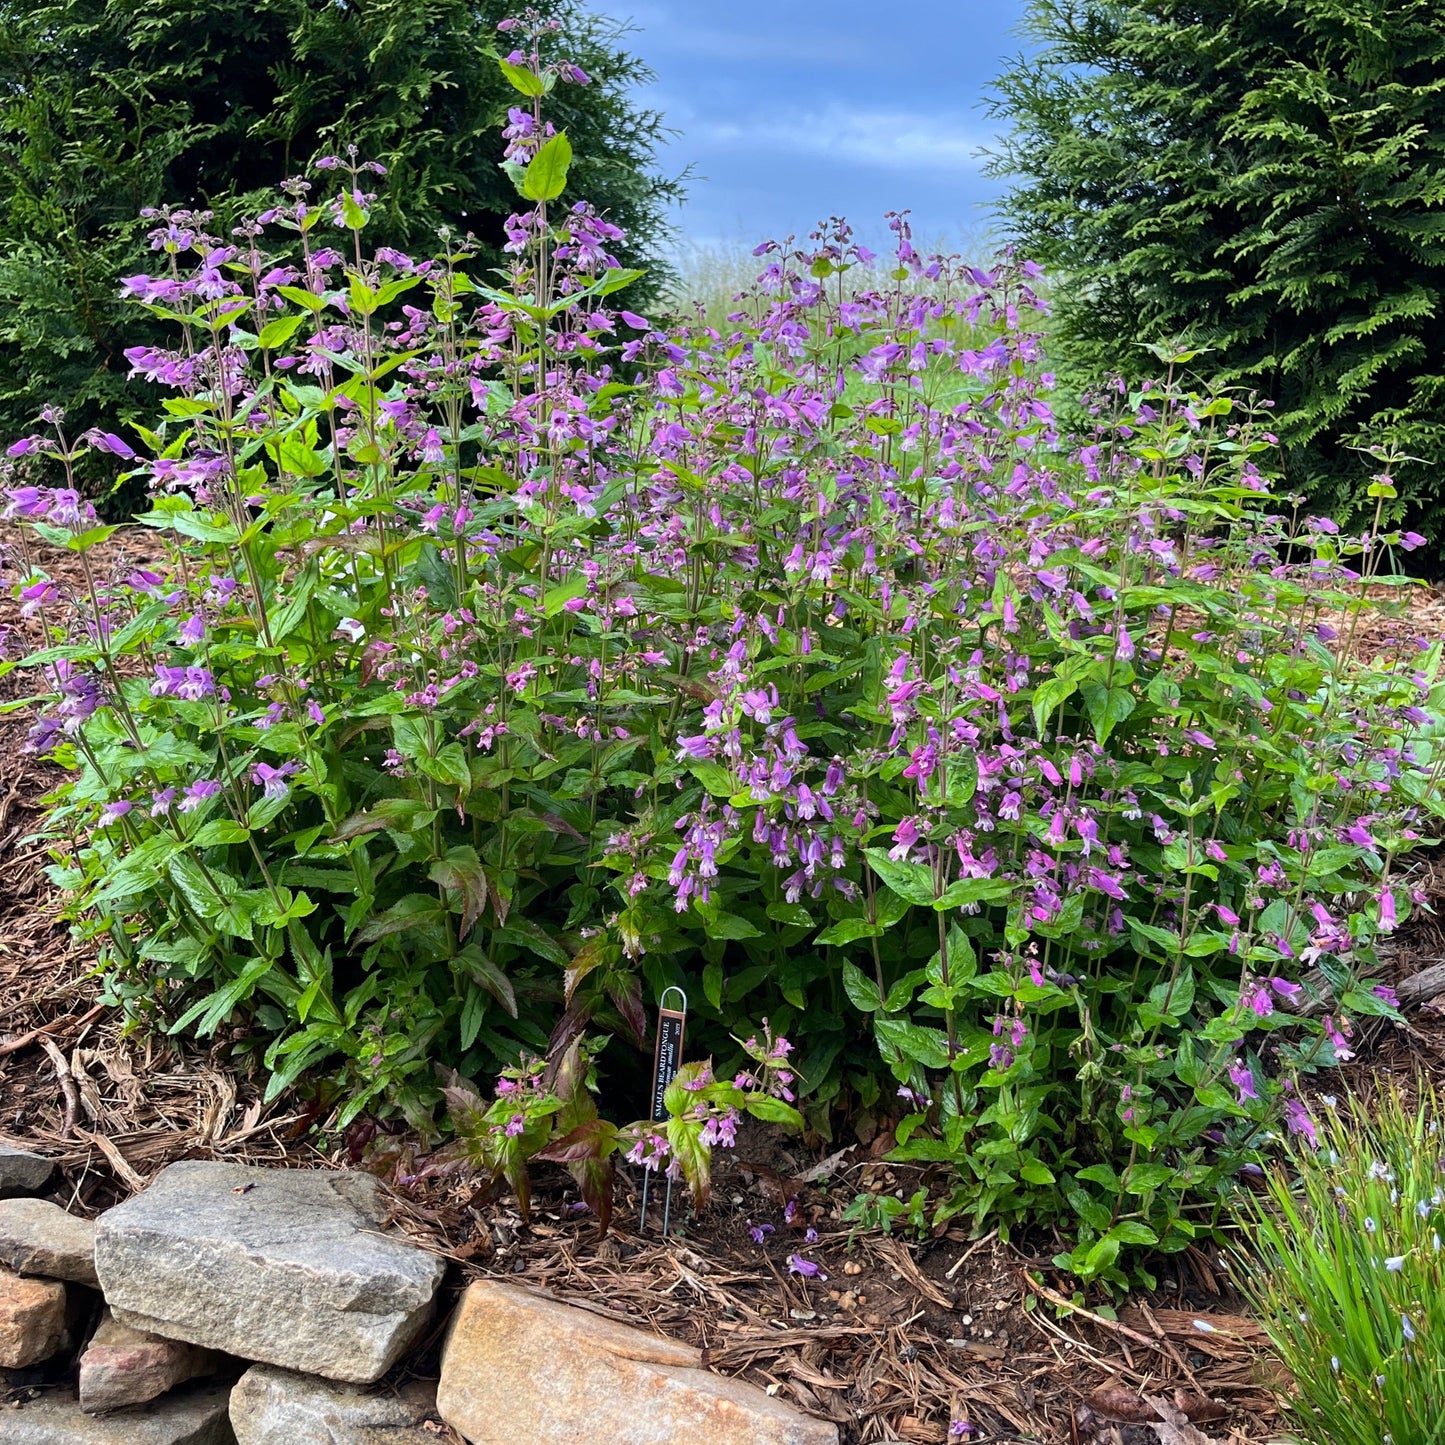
{"x":894,"y":1340}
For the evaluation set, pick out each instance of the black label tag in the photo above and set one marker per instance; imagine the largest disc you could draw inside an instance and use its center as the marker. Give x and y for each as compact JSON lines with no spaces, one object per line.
{"x":667,"y":1059}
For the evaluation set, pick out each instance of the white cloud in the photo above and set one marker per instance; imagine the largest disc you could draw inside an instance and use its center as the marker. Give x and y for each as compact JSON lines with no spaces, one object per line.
{"x":893,"y":140}
{"x":666,"y":32}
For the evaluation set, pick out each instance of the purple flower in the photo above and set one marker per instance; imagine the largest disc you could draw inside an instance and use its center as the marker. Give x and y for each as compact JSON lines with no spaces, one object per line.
{"x":1388,"y":917}
{"x":26,"y":502}
{"x":196,"y":793}
{"x":105,"y":441}
{"x":190,"y":683}
{"x":24,"y":446}
{"x":1297,"y":1118}
{"x":905,"y":835}
{"x":1242,"y":1077}
{"x":805,"y":1267}
{"x":1337,"y":1039}
{"x":1258,"y":1001}
{"x":161,"y":802}
{"x":1386,"y":994}
{"x":273,"y":780}
{"x":760,"y":1232}
{"x":313,"y":710}
{"x":113,"y":812}
{"x":192,"y":630}
{"x":35,"y":596}
{"x":697,"y":748}
{"x":640,"y":323}
{"x":515,"y":1125}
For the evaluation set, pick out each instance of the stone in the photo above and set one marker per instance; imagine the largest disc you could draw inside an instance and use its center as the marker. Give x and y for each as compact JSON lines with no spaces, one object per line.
{"x":122,"y":1366}
{"x":519,"y":1365}
{"x":279,"y":1407}
{"x":283,"y":1266}
{"x":38,"y":1237}
{"x":32,"y":1321}
{"x":22,"y":1172}
{"x":192,"y":1416}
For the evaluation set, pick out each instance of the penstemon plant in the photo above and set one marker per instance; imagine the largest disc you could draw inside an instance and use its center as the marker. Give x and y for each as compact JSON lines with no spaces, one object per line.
{"x":544,"y":1110}
{"x":516,"y":657}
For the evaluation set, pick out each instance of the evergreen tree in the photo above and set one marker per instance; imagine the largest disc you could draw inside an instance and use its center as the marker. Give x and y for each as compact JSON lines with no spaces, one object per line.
{"x":108,"y":107}
{"x":1261,"y":177}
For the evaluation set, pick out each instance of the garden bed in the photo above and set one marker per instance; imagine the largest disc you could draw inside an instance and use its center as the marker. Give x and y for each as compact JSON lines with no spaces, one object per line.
{"x":900,"y":1337}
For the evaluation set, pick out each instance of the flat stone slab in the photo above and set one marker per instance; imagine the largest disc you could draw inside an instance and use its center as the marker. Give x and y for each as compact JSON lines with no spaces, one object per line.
{"x":32,"y":1321}
{"x":22,"y":1172}
{"x":38,"y":1237}
{"x":277,"y":1407}
{"x":122,"y":1366}
{"x":287,"y":1267}
{"x":519,"y":1366}
{"x":192,"y":1416}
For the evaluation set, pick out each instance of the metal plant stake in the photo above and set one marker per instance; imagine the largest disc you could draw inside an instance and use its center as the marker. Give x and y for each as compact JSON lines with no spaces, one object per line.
{"x":666,"y":1060}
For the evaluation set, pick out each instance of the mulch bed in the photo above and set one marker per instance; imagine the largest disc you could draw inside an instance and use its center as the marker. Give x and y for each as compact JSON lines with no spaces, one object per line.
{"x":900,"y":1338}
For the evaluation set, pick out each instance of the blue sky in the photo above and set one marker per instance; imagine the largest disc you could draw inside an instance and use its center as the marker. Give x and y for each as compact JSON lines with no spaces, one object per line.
{"x":792,"y":110}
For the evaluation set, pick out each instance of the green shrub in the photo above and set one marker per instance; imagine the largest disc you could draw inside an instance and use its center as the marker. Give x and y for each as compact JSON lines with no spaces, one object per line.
{"x":1345,"y":1267}
{"x":111,"y":106}
{"x":517,"y":659}
{"x":1261,"y":179}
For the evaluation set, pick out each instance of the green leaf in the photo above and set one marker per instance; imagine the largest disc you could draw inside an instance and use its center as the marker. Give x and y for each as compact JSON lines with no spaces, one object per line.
{"x":546,"y":174}
{"x":712,"y":984}
{"x":1107,"y":707}
{"x":416,"y":910}
{"x":773,"y":1111}
{"x":216,"y":1008}
{"x":280,"y":331}
{"x":910,"y":881}
{"x":523,"y":78}
{"x":861,"y":990}
{"x":849,"y":930}
{"x":485,"y":974}
{"x":729,"y":926}
{"x":461,"y":873}
{"x":928,"y":1047}
{"x":1051,"y":693}
{"x":351,"y":213}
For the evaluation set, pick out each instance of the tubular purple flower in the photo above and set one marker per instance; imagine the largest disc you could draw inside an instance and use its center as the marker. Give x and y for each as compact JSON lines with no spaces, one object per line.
{"x":105,"y":441}
{"x":34,"y":596}
{"x":196,"y":793}
{"x":114,"y":812}
{"x":804,"y":1267}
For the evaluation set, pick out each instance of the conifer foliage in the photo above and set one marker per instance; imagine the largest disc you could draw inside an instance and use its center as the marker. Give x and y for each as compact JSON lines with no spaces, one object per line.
{"x":1262,"y":177}
{"x":108,"y":107}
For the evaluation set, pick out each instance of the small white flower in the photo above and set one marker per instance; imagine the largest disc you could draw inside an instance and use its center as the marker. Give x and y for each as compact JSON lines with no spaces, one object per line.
{"x":1205,"y":1327}
{"x":1335,"y":1363}
{"x":1395,"y":1263}
{"x":1406,"y":1328}
{"x":1370,"y":1225}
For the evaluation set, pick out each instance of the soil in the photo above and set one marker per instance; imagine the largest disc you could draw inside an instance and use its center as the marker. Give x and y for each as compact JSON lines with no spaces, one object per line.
{"x":894,"y":1339}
